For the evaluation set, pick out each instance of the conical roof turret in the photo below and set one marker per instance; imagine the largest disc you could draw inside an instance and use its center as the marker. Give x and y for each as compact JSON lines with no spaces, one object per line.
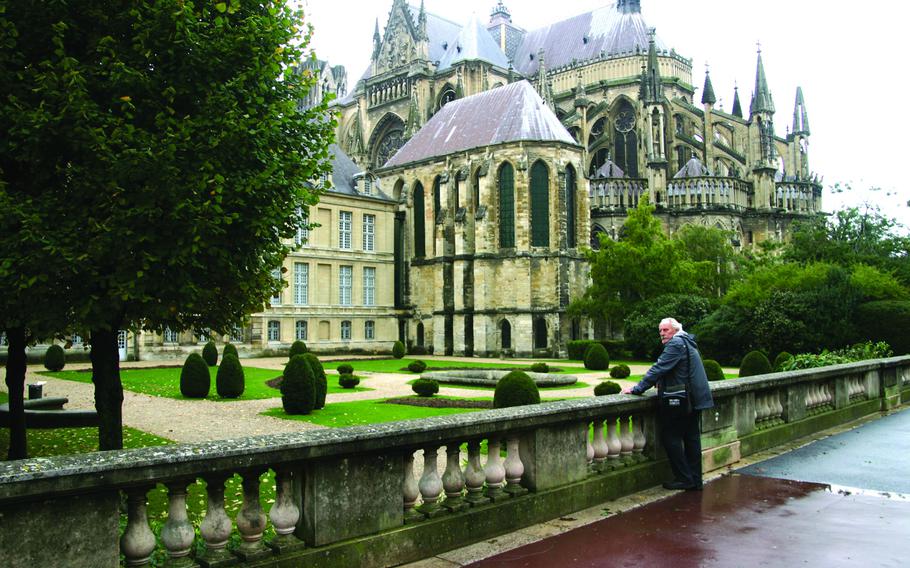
{"x":761,"y":97}
{"x":737,"y":107}
{"x":800,"y":117}
{"x":707,"y":93}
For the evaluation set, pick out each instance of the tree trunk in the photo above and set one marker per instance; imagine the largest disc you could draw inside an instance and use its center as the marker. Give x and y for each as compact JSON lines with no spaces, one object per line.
{"x":15,"y":386}
{"x":108,"y":389}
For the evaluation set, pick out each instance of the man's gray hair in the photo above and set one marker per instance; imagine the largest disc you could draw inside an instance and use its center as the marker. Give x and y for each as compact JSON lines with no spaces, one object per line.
{"x":672,"y":323}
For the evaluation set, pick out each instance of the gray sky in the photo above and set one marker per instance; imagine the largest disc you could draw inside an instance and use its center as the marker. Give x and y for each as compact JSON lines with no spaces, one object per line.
{"x":845,"y":56}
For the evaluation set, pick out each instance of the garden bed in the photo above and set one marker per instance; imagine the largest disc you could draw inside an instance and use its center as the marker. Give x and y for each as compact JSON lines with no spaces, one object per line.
{"x":439,"y":402}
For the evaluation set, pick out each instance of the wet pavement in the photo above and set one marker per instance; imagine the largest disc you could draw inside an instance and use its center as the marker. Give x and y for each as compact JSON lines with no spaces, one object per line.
{"x":839,"y":501}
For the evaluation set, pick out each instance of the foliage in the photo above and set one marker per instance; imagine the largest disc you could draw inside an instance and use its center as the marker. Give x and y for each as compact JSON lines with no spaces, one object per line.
{"x":607,"y":388}
{"x":713,"y":370}
{"x":54,"y":358}
{"x":360,"y":412}
{"x":640,"y":329}
{"x":345,"y":369}
{"x":780,"y":360}
{"x":620,"y":371}
{"x":515,"y":389}
{"x":210,"y":354}
{"x":195,"y":379}
{"x":417,"y":366}
{"x":715,"y":262}
{"x":425,"y":387}
{"x":857,"y":352}
{"x":348,"y":381}
{"x":540,"y":367}
{"x":578,"y":347}
{"x":229,"y":381}
{"x":398,"y":350}
{"x":229,"y":349}
{"x":298,"y":388}
{"x":884,"y":321}
{"x":297,"y":348}
{"x":322,"y":385}
{"x":596,"y":358}
{"x":754,"y":363}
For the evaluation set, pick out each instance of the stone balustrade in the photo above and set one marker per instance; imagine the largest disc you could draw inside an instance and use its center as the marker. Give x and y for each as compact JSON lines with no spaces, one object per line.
{"x":797,"y":196}
{"x":351,"y":497}
{"x":707,"y":192}
{"x":616,"y":193}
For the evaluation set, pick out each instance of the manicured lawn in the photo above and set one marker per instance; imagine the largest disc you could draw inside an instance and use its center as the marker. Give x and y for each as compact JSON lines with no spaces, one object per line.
{"x":401,"y":365}
{"x":360,"y":412}
{"x":49,"y":442}
{"x":577,"y":385}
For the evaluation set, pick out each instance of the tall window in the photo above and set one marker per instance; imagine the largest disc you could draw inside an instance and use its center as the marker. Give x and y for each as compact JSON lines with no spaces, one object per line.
{"x":346,"y":330}
{"x":302,"y":232}
{"x":437,"y":197}
{"x":301,"y":283}
{"x":540,"y":333}
{"x":506,"y":206}
{"x":345,"y":277}
{"x":300,"y":330}
{"x":540,"y":205}
{"x":369,"y":232}
{"x":369,"y":286}
{"x":274,"y":330}
{"x":171,"y":336}
{"x":419,"y":228}
{"x":506,"y":334}
{"x":276,"y":274}
{"x":570,"y":206}
{"x":344,"y":230}
{"x":625,"y":140}
{"x":369,"y":329}
{"x":367,"y":185}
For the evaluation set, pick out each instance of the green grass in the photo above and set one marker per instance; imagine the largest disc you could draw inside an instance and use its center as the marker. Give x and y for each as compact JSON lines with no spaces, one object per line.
{"x":362,"y":412}
{"x":43,"y":443}
{"x":577,"y":385}
{"x":401,"y":365}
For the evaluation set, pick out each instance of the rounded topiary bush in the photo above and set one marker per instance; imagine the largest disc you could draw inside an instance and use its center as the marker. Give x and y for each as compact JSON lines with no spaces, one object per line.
{"x":229,"y":349}
{"x":348,"y":381}
{"x":607,"y":387}
{"x":425,"y":387}
{"x":539,"y":368}
{"x":345,"y":369}
{"x":597,"y":358}
{"x":713,"y":370}
{"x":754,"y":363}
{"x":322,"y":386}
{"x":398,"y":350}
{"x":297,"y":348}
{"x":54,"y":358}
{"x":210,"y":354}
{"x":229,"y":381}
{"x":298,"y":387}
{"x":781,"y":358}
{"x":620,"y":371}
{"x":195,"y":379}
{"x":515,"y":389}
{"x":417,"y":366}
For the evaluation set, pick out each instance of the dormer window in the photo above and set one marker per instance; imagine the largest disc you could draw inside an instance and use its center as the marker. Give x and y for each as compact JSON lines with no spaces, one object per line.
{"x":367,"y":185}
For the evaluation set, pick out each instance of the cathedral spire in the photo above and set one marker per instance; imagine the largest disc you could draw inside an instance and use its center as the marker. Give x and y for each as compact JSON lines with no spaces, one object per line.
{"x":761,"y":97}
{"x":800,"y":117}
{"x":651,"y":89}
{"x":707,"y":93}
{"x":422,"y":23}
{"x":629,"y":6}
{"x":376,"y":40}
{"x":737,"y":108}
{"x":544,"y":87}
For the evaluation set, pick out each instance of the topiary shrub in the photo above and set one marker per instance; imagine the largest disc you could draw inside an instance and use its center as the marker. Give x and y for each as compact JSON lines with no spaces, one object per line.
{"x":398,"y":350}
{"x":348,"y":381}
{"x":229,"y":349}
{"x":620,"y":371}
{"x":345,"y":369}
{"x":210,"y":354}
{"x":54,"y":358}
{"x":425,"y":387}
{"x":596,"y":358}
{"x":539,"y":368}
{"x":322,"y":386}
{"x":607,"y":387}
{"x":781,"y":359}
{"x":713,"y":370}
{"x":298,"y":387}
{"x":515,"y":389}
{"x":754,"y":363}
{"x":195,"y":379}
{"x":229,"y":381}
{"x":417,"y":366}
{"x":297,"y":348}
{"x":578,"y":347}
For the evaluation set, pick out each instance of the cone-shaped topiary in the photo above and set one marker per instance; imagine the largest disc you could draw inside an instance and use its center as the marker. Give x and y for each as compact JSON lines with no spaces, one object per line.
{"x":54,"y":358}
{"x":713,"y":370}
{"x":417,"y":366}
{"x":398,"y":350}
{"x":195,"y":379}
{"x":620,"y":371}
{"x":322,"y":386}
{"x":754,"y":363}
{"x":347,"y":381}
{"x":297,"y":348}
{"x":345,"y":369}
{"x":515,"y":389}
{"x":298,"y":387}
{"x":229,"y":349}
{"x":597,"y":358}
{"x":781,"y":358}
{"x":425,"y":387}
{"x":607,"y":387}
{"x":210,"y":354}
{"x":229,"y":381}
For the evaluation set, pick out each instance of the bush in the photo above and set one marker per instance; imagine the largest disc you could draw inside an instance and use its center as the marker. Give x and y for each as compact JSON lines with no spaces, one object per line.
{"x":539,"y":368}
{"x":229,"y":349}
{"x":210,"y":354}
{"x":515,"y":389}
{"x":298,"y":387}
{"x":578,"y":347}
{"x":54,"y":358}
{"x":322,"y":385}
{"x":297,"y":348}
{"x":418,"y":350}
{"x":884,"y":321}
{"x":348,"y":381}
{"x":858,"y":352}
{"x":398,"y":350}
{"x":607,"y":387}
{"x":345,"y":369}
{"x":620,"y":371}
{"x":713,"y":370}
{"x":229,"y":381}
{"x":754,"y":363}
{"x":640,"y":325}
{"x":417,"y":366}
{"x":596,"y":358}
{"x":425,"y":387}
{"x":195,"y":379}
{"x":781,"y":359}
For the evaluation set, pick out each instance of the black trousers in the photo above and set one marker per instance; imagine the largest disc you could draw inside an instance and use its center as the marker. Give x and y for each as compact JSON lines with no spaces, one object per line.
{"x":681,"y":438}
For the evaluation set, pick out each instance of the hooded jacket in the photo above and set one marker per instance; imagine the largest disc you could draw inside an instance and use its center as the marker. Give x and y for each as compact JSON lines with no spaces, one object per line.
{"x":672,"y":369}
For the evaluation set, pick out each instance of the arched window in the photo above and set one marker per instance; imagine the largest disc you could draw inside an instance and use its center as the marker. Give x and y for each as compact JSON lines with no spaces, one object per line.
{"x":420,"y":334}
{"x":540,"y":205}
{"x":476,"y":188}
{"x":540,"y":333}
{"x":625,"y":141}
{"x":599,"y":159}
{"x":506,"y":334}
{"x":420,"y":238}
{"x":506,"y":206}
{"x":437,"y":198}
{"x":570,"y":206}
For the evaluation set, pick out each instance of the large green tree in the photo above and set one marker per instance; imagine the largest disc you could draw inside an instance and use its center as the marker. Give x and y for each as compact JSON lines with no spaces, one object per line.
{"x":172,"y":155}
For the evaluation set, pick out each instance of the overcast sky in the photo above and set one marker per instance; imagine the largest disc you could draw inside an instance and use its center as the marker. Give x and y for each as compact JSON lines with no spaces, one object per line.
{"x":845,"y":56}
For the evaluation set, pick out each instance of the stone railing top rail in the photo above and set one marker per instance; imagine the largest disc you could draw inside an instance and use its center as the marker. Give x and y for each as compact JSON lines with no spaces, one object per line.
{"x":488,"y":377}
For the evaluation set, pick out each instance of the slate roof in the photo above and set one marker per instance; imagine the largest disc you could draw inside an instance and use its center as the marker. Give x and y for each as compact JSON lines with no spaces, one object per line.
{"x":693,"y":168}
{"x":473,"y":43}
{"x":505,"y":114}
{"x":343,"y":171}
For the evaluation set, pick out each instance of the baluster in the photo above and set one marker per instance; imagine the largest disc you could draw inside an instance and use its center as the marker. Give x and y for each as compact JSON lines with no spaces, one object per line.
{"x":778,"y":409}
{"x":177,"y":533}
{"x":829,"y":395}
{"x":138,"y":540}
{"x":601,"y":450}
{"x":494,"y":471}
{"x":285,"y":513}
{"x":514,"y":469}
{"x":763,"y":409}
{"x":590,"y":448}
{"x":430,"y":484}
{"x":453,"y":480}
{"x":250,"y":519}
{"x":626,"y":439}
{"x":638,"y":437}
{"x":614,"y":444}
{"x":474,"y":476}
{"x":409,"y":490}
{"x":216,"y":526}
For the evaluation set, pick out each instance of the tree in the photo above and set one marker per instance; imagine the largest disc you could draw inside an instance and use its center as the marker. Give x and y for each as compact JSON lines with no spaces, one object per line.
{"x":640,"y":327}
{"x":714,"y":259}
{"x":164,"y":153}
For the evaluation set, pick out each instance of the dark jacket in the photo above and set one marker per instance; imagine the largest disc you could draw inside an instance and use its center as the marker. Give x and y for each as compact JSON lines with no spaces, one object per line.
{"x":672,"y":368}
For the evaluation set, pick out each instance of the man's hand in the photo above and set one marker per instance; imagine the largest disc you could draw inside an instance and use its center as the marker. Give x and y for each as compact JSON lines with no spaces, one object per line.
{"x":627,"y":390}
